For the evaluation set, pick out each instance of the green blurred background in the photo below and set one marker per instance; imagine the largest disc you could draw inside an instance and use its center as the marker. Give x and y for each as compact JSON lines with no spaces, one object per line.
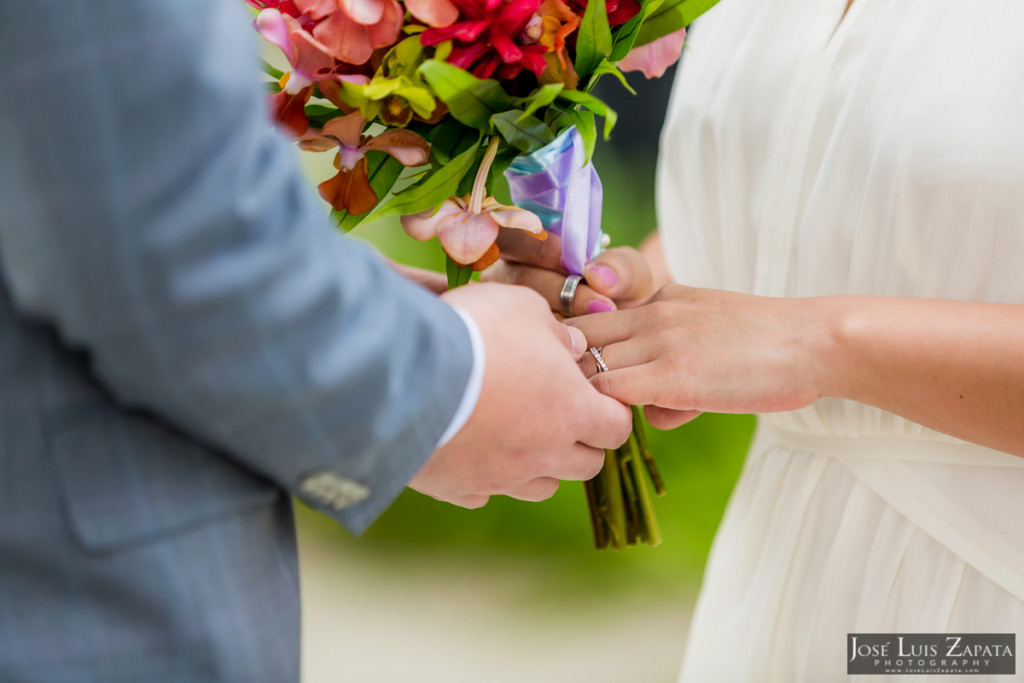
{"x":524,"y":575}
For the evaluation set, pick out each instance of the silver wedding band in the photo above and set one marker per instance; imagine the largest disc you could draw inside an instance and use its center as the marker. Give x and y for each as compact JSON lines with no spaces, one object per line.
{"x":601,"y":365}
{"x":568,"y":294}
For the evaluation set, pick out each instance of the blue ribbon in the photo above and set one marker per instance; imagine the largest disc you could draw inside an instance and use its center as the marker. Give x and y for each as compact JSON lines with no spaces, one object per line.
{"x":565,"y":193}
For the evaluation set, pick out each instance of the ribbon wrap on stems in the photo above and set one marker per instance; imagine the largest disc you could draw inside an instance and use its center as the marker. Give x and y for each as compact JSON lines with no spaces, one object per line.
{"x":561,"y":186}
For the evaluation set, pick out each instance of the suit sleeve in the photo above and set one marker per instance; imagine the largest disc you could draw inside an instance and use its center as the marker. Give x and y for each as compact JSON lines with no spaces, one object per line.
{"x":151,"y":214}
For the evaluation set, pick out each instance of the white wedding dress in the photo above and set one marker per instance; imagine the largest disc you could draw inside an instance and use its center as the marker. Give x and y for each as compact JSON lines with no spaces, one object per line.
{"x":877,"y":153}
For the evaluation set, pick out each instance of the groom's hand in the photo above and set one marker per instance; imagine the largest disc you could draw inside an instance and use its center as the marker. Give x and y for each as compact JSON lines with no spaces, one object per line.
{"x":538,"y":419}
{"x":617,"y":278}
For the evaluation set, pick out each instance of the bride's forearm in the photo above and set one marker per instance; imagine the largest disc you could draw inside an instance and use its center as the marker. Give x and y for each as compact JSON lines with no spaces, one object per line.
{"x":956,"y":367}
{"x":653,"y":252}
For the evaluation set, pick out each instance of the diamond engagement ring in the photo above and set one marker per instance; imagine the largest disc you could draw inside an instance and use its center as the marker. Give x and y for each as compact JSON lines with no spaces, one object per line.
{"x":568,"y":294}
{"x":601,"y":365}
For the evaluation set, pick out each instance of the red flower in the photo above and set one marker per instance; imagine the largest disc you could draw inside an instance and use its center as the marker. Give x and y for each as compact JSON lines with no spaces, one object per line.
{"x":488,"y":38}
{"x":619,"y":11}
{"x":284,"y":6}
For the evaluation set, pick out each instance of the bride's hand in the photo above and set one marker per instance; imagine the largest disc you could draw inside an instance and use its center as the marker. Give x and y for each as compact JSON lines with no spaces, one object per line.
{"x":617,"y":278}
{"x":692,"y":350}
{"x":428,"y":279}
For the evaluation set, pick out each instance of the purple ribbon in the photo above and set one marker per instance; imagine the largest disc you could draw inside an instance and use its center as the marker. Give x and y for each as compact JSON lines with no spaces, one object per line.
{"x":563,"y":189}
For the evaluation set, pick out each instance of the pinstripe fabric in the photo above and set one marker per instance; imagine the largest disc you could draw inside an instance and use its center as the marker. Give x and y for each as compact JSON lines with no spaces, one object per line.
{"x":182,"y":336}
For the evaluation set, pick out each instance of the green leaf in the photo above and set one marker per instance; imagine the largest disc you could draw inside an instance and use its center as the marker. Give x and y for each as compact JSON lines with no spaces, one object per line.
{"x":594,"y":39}
{"x":558,"y":118}
{"x":271,"y":71}
{"x":625,"y":36}
{"x":471,"y":100}
{"x":383,"y":171}
{"x":671,"y":16}
{"x":607,"y":67}
{"x":541,"y":97}
{"x":433,"y":189}
{"x":585,"y":124}
{"x":448,"y":139}
{"x":442,"y":51}
{"x":469,"y":177}
{"x":652,"y":6}
{"x":457,"y":275}
{"x":501,"y":162}
{"x":593,"y":104}
{"x":525,"y":132}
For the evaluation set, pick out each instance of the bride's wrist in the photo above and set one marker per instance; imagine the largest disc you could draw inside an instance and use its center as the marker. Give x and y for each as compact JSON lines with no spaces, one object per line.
{"x":830,"y":341}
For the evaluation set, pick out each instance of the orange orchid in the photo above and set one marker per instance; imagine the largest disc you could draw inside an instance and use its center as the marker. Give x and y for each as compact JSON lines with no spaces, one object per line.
{"x":350,"y":189}
{"x":553,"y":23}
{"x":558,"y":22}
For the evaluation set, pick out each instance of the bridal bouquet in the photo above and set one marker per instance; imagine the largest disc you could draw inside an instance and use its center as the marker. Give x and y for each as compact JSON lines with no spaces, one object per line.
{"x":428,"y":103}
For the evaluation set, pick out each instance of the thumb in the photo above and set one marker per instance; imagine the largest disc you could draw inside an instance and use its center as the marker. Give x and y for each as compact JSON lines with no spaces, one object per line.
{"x":621,"y":274}
{"x":573,"y":339}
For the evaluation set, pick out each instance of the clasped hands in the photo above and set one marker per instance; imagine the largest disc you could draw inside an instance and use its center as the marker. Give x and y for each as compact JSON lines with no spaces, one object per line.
{"x":677,"y":351}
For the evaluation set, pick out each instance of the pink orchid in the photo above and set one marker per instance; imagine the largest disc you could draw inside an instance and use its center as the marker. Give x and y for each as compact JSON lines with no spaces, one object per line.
{"x":361,"y":11}
{"x":436,"y":13}
{"x":653,"y":58}
{"x":350,"y":189}
{"x":311,"y":63}
{"x":468,"y":236}
{"x":352,"y":29}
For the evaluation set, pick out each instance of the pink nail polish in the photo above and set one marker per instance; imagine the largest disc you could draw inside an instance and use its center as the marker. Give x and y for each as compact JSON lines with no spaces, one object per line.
{"x":606,"y":274}
{"x":599,"y":306}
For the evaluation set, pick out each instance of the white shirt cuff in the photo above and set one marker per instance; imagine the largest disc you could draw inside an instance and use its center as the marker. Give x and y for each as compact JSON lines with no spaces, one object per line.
{"x":475,"y":383}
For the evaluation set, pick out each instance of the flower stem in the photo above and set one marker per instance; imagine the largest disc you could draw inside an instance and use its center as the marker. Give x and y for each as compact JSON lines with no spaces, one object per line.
{"x":645,"y":451}
{"x":619,"y":497}
{"x":476,"y":199}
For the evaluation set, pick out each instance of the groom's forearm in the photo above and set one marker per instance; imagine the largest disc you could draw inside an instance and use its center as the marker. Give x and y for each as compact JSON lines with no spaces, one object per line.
{"x":148,"y":212}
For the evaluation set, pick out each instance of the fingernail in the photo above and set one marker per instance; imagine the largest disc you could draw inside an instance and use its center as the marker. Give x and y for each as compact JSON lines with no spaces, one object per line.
{"x":606,"y":274}
{"x":579,"y":341}
{"x":598,"y":306}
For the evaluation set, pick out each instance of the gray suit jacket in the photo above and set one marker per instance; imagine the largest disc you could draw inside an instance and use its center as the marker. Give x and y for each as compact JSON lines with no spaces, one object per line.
{"x":184,"y":339}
